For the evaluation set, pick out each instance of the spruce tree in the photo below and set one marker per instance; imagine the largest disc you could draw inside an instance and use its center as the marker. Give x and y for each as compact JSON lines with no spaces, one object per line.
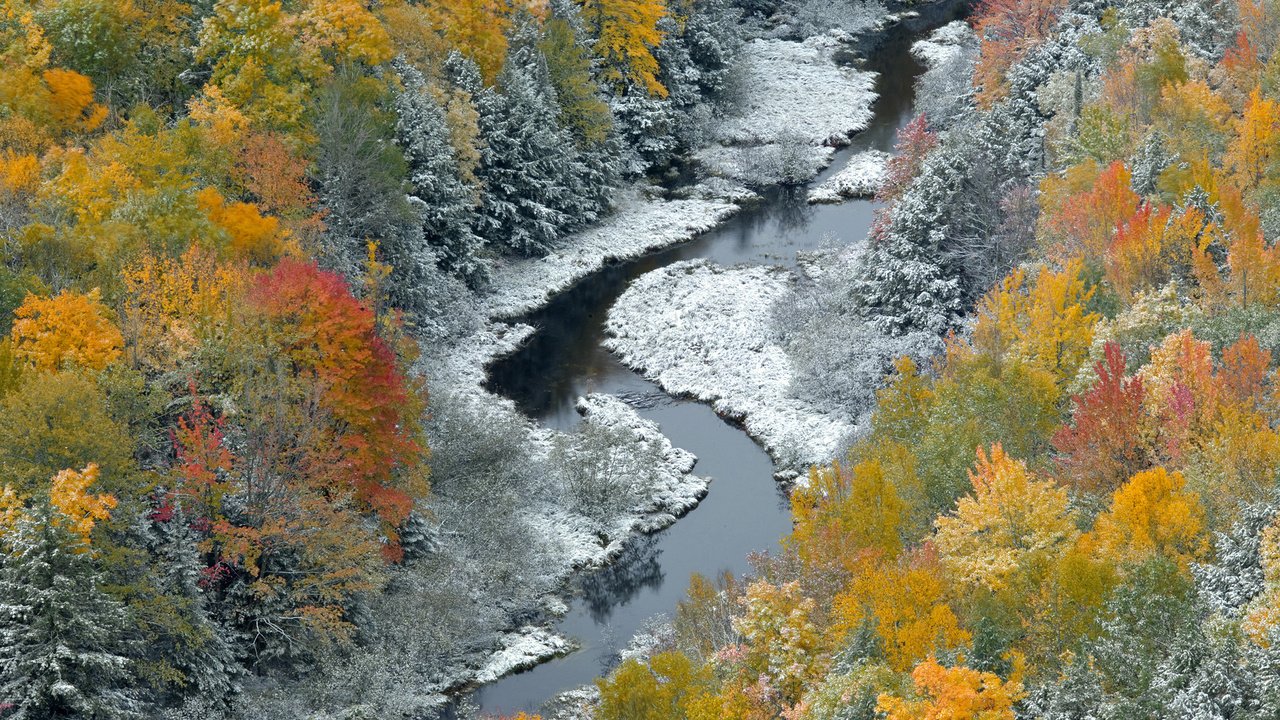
{"x":527,"y":180}
{"x":433,"y":172}
{"x":63,"y":648}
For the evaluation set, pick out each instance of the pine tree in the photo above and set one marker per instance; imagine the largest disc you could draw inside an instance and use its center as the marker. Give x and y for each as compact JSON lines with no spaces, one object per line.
{"x":433,"y":172}
{"x":62,"y":640}
{"x":184,"y":643}
{"x":527,"y":181}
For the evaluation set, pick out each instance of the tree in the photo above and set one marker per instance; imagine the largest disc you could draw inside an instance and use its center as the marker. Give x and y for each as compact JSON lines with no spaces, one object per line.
{"x":782,"y":639}
{"x":568,"y":57}
{"x":1104,"y":444}
{"x":63,"y":651}
{"x":68,"y":330}
{"x":433,"y":172}
{"x":1009,"y":531}
{"x":955,"y":693}
{"x":626,"y":33}
{"x":1152,"y":514}
{"x":842,"y":512}
{"x":526,"y":176}
{"x":54,"y":422}
{"x":666,"y":686}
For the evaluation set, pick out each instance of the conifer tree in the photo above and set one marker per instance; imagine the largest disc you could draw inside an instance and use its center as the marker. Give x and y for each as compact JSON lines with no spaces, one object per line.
{"x":433,"y":172}
{"x":527,"y":180}
{"x":63,"y":649}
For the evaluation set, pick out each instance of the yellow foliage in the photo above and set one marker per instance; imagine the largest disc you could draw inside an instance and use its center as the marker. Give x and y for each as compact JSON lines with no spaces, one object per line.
{"x":1012,"y":527}
{"x":957,"y":693}
{"x":80,"y":508}
{"x":348,"y":30}
{"x":841,"y":513}
{"x":1263,"y":614}
{"x":904,"y":600}
{"x":171,"y":306}
{"x":11,"y":509}
{"x":1046,"y":324}
{"x":71,"y":328}
{"x":627,"y":32}
{"x":1256,"y":142}
{"x":1151,"y":514}
{"x":18,"y":173}
{"x":254,"y":236}
{"x":783,"y":641}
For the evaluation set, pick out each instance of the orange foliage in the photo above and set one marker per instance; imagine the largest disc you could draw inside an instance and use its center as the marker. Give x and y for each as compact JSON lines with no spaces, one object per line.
{"x":1084,"y":222}
{"x":1008,"y":28}
{"x":79,"y":508}
{"x":957,"y":693}
{"x":70,"y":329}
{"x":254,"y":236}
{"x":331,"y":339}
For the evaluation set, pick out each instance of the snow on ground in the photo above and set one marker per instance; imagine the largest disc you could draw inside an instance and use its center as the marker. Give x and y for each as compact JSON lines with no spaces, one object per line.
{"x":701,"y":330}
{"x":639,"y":225}
{"x":860,"y":178}
{"x":799,"y":104}
{"x":521,"y":650}
{"x":944,"y":44}
{"x":796,"y":89}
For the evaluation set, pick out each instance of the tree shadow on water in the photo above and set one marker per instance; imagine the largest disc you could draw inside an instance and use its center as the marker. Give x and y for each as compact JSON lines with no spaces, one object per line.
{"x":618,"y":582}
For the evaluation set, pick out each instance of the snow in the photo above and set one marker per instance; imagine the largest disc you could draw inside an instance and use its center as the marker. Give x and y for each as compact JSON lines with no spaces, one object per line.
{"x":798,"y":104}
{"x":704,"y":331}
{"x":796,"y":89}
{"x":944,"y":44}
{"x":859,"y":179}
{"x":521,"y":650}
{"x":640,"y":225}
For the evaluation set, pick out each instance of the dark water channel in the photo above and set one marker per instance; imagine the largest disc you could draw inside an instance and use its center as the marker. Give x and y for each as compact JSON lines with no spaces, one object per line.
{"x":745,"y":511}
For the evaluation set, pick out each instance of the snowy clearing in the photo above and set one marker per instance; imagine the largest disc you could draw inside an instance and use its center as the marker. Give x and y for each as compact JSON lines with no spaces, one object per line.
{"x":796,"y":90}
{"x":521,"y":650}
{"x":704,"y":331}
{"x":859,"y":179}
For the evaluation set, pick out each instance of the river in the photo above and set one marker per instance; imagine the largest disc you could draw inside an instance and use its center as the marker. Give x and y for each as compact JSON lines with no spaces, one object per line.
{"x":745,"y":511}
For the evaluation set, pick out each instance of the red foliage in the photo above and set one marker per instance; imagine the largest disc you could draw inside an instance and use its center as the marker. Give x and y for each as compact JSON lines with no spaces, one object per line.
{"x":367,"y":404}
{"x":1008,"y":28}
{"x":914,"y":142}
{"x":1244,"y":370}
{"x":1103,"y":447}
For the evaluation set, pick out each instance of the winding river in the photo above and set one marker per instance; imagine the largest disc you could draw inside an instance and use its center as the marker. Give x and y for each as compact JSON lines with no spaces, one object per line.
{"x":745,"y":511}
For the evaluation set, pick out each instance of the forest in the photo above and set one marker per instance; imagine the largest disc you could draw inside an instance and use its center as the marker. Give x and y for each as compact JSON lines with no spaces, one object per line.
{"x":261,"y":255}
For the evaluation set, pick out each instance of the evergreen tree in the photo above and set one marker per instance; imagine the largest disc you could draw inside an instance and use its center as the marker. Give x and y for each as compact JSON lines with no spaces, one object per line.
{"x":184,"y":644}
{"x":63,"y":651}
{"x":527,"y":180}
{"x":433,"y":171}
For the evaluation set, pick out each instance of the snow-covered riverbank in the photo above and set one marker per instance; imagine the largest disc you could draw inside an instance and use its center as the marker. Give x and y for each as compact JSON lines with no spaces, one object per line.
{"x":800,"y":85}
{"x":704,"y":331}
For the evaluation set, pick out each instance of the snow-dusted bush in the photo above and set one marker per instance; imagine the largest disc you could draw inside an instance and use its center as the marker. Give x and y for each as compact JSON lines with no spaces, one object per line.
{"x":814,"y":17}
{"x":839,"y":359}
{"x":944,"y":92}
{"x":603,"y":470}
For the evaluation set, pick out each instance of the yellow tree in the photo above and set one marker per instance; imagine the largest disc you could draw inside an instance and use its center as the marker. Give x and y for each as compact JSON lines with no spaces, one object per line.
{"x":1256,"y":142}
{"x":1009,"y":530}
{"x":1152,"y":514}
{"x":79,"y":508}
{"x":626,"y":33}
{"x":904,"y":600}
{"x":955,"y":693}
{"x":1046,"y":324}
{"x":842,"y":512}
{"x":70,"y":329}
{"x":476,"y":28}
{"x":782,"y":640}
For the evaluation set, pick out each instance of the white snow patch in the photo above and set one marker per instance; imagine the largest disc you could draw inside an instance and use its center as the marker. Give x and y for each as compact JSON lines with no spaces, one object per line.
{"x":639,"y":225}
{"x":701,"y":330}
{"x":522,"y":649}
{"x":797,"y":89}
{"x":944,"y":44}
{"x":860,"y":178}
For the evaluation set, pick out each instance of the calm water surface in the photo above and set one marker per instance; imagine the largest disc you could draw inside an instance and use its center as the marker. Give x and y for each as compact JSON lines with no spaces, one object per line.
{"x":745,"y":511}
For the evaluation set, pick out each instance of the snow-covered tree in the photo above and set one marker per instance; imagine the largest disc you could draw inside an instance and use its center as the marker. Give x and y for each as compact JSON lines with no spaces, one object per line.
{"x":527,"y":180}
{"x":63,"y":648}
{"x":446,"y":204}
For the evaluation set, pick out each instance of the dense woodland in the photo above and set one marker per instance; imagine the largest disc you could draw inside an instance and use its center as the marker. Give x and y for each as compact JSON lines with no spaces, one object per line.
{"x":231,"y":228}
{"x":1068,"y":511}
{"x":228,"y":227}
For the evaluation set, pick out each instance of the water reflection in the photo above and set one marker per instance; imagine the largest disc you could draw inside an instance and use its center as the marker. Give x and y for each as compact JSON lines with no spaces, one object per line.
{"x":605,"y":589}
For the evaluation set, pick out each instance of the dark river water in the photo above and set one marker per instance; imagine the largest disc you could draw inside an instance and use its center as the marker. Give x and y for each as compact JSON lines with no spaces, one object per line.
{"x":745,"y":511}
